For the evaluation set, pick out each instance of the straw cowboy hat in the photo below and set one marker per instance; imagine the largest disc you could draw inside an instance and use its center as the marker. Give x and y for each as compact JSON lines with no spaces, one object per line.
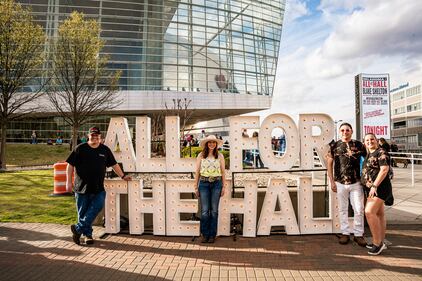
{"x":210,"y":138}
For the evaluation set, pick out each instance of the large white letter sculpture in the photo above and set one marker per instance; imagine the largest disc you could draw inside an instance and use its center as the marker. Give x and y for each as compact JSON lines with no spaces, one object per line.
{"x":292,"y":148}
{"x":308,"y":142}
{"x":166,"y":205}
{"x":140,"y":205}
{"x":175,"y":206}
{"x":113,"y":190}
{"x":277,"y":191}
{"x":238,"y":143}
{"x":246,"y":206}
{"x":118,"y":133}
{"x":144,"y":161}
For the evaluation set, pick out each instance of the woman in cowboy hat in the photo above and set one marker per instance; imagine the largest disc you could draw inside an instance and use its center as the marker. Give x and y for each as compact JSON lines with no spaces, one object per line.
{"x":209,"y":183}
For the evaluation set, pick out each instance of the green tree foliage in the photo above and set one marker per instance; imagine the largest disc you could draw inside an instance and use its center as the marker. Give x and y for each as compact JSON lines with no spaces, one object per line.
{"x":21,"y":58}
{"x":81,"y":85}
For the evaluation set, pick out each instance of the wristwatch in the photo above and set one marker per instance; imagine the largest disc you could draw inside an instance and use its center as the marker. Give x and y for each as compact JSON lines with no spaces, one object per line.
{"x":122,"y":177}
{"x":373,"y":186}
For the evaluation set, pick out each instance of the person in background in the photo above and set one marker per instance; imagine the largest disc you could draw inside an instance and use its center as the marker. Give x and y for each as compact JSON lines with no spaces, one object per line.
{"x":384,"y":145}
{"x":378,"y":191}
{"x":344,"y":159}
{"x":209,"y":185}
{"x":34,"y":139}
{"x":89,"y":161}
{"x":394,"y":148}
{"x":59,"y":140}
{"x":255,"y":153}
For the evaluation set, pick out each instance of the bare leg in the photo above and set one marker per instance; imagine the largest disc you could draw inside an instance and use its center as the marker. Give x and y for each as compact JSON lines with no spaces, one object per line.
{"x":371,"y":211}
{"x":381,"y":216}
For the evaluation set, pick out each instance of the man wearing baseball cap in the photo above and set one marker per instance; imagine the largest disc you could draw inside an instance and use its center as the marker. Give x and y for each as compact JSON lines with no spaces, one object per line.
{"x":90,"y":161}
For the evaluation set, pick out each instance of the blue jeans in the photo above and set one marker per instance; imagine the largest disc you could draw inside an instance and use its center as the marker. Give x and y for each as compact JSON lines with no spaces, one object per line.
{"x":209,"y":193}
{"x":88,"y":207}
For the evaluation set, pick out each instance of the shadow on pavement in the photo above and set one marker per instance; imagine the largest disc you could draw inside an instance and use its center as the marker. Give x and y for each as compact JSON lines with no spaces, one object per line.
{"x":20,"y":260}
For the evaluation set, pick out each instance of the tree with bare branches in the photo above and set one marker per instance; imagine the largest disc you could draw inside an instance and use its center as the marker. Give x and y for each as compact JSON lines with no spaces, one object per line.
{"x":180,"y":108}
{"x":81,"y":85}
{"x":21,"y":57}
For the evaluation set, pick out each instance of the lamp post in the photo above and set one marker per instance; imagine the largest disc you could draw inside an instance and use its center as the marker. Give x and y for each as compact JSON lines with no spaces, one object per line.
{"x":335,"y":128}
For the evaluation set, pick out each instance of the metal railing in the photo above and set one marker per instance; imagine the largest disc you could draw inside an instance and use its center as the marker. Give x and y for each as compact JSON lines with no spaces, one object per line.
{"x":408,"y":156}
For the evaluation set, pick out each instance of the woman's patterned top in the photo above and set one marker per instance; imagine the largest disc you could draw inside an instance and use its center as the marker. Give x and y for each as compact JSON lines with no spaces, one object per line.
{"x":372,"y":165}
{"x":346,"y":156}
{"x":210,"y":167}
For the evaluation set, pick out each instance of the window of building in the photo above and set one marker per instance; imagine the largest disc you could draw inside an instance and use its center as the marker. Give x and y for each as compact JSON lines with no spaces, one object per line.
{"x":414,"y":107}
{"x":398,"y":96}
{"x":413,"y":91}
{"x":399,"y":125}
{"x":414,"y":122}
{"x":399,"y":110}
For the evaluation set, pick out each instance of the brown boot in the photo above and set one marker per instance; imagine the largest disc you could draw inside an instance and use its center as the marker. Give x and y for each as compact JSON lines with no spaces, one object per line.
{"x":360,"y":240}
{"x":344,"y":239}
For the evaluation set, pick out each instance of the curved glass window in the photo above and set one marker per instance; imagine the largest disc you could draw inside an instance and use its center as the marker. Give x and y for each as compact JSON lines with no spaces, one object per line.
{"x":185,"y":45}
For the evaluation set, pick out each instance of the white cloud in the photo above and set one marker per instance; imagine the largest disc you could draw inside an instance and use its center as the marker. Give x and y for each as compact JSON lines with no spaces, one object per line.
{"x":294,"y":10}
{"x":321,"y":54}
{"x":380,"y":29}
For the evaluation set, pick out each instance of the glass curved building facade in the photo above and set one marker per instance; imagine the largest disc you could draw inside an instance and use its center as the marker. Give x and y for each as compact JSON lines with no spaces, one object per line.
{"x":221,"y":54}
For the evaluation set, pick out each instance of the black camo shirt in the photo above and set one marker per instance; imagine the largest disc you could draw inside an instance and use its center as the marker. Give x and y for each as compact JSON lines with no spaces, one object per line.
{"x":346,"y":156}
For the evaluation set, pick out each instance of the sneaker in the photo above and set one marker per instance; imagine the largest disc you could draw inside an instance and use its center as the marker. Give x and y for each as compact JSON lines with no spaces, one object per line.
{"x":360,"y":241}
{"x":344,"y":239}
{"x":376,"y":250}
{"x":75,"y":235}
{"x":89,"y":240}
{"x":211,"y":240}
{"x":369,"y":246}
{"x":204,"y":239}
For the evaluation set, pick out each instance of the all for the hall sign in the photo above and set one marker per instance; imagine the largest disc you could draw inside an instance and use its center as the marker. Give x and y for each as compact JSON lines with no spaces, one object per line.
{"x":166,"y":204}
{"x":372,"y":94}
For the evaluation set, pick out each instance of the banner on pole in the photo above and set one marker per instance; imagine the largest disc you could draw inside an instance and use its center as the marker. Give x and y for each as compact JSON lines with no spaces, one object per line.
{"x":372,"y":93}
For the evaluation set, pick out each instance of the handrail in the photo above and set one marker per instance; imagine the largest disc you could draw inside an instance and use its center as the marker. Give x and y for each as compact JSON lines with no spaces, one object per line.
{"x":412,"y":159}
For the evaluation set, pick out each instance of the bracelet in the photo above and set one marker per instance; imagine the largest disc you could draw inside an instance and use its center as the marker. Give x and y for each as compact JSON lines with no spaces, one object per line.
{"x":122,"y":177}
{"x":373,"y":186}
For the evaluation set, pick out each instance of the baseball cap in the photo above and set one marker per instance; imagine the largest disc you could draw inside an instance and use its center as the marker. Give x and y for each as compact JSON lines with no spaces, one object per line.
{"x":94,"y":130}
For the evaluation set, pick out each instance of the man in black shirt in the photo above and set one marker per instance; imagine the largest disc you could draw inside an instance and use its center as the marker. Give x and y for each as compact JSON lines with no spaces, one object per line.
{"x":344,"y":159}
{"x":90,"y":161}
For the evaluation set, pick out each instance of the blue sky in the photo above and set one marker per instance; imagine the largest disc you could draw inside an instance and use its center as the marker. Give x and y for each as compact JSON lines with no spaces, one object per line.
{"x":326,"y":43}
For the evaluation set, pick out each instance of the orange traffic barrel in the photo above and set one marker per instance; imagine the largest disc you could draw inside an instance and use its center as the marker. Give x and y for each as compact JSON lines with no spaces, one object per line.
{"x":60,"y":180}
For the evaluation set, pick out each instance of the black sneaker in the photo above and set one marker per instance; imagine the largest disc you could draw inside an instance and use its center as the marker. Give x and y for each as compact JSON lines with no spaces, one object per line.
{"x":211,"y":240}
{"x":75,"y":235}
{"x":376,"y":250}
{"x":89,"y":240}
{"x":369,"y":246}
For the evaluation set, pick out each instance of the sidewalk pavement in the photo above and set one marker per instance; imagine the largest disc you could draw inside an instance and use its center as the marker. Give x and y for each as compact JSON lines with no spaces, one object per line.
{"x":32,"y":251}
{"x":407,"y":206}
{"x":46,"y":252}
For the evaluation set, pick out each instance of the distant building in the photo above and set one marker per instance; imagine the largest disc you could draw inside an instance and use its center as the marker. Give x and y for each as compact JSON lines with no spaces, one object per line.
{"x":406,"y":117}
{"x":220,"y":55}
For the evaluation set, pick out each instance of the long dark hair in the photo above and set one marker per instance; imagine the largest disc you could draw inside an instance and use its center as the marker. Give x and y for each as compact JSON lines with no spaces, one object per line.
{"x":206,"y":151}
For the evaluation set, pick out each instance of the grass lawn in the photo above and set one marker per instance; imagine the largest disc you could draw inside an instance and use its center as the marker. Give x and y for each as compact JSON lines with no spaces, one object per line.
{"x":22,"y":154}
{"x":24,"y":197}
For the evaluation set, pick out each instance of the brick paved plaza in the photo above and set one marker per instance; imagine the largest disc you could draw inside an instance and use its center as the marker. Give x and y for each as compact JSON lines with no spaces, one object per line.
{"x":46,"y":252}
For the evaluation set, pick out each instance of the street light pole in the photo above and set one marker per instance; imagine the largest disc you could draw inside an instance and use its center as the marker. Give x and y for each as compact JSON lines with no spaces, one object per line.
{"x":335,"y":128}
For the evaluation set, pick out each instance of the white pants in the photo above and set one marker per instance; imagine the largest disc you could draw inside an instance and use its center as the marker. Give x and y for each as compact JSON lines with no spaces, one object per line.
{"x":355,"y":192}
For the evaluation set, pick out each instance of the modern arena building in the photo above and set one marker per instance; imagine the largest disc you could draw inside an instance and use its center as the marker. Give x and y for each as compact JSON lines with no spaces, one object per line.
{"x":219,"y":54}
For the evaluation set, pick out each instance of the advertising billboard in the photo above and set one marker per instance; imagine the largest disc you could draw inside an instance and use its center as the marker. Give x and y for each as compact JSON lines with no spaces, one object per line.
{"x":372,"y":93}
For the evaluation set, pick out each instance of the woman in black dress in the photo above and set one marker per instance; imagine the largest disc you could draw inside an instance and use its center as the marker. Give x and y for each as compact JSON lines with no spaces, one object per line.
{"x":378,"y":190}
